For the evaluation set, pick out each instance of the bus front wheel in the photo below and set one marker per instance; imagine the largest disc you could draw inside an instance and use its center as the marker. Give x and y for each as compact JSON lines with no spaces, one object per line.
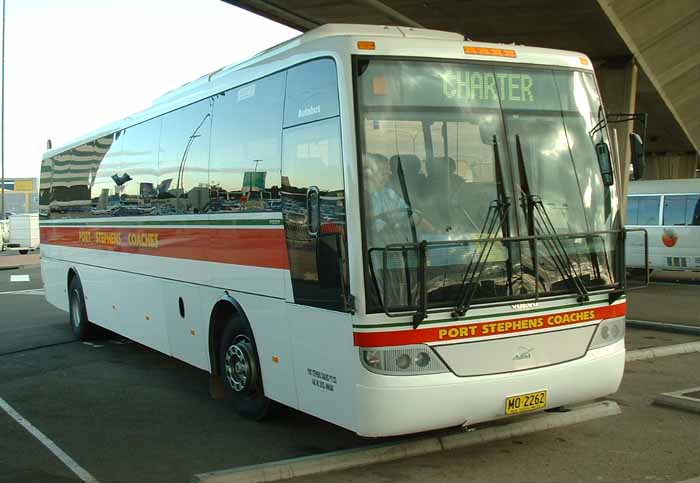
{"x":240,"y":371}
{"x":82,"y":328}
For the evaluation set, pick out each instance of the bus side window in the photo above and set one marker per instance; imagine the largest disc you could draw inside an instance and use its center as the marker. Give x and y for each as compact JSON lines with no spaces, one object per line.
{"x":138,"y":170}
{"x":693,"y":210}
{"x":244,"y":169}
{"x":182,"y":186}
{"x":648,"y":214}
{"x":674,"y":210}
{"x":632,"y":210}
{"x":313,"y":189}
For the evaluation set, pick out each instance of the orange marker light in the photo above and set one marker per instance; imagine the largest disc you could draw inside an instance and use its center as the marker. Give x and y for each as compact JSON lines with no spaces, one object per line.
{"x":490,"y":51}
{"x":365,"y":45}
{"x":583,"y":60}
{"x":275,"y":359}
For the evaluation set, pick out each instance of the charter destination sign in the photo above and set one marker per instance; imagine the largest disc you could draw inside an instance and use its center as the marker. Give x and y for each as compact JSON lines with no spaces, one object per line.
{"x":436,"y":84}
{"x":482,"y":86}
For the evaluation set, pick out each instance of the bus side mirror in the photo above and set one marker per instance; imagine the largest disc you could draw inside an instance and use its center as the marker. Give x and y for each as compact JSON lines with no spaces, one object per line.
{"x":603,"y":153}
{"x":638,"y":160}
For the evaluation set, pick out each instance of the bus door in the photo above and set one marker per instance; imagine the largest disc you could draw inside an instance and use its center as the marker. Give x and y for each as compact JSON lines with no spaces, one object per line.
{"x":313,"y":207}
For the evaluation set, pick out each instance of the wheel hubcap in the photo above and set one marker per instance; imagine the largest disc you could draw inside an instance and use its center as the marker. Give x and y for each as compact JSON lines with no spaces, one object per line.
{"x":238,"y":364}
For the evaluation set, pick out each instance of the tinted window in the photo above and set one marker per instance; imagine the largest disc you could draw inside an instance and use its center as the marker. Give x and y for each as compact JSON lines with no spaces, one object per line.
{"x":313,"y":203}
{"x":674,"y":210}
{"x":312,"y":156}
{"x":632,"y":210}
{"x":183,"y":163}
{"x":105,"y":188}
{"x":312,"y":92}
{"x":692,"y":210}
{"x":67,"y":179}
{"x":246,"y":147}
{"x":648,"y":213}
{"x":139,"y":169}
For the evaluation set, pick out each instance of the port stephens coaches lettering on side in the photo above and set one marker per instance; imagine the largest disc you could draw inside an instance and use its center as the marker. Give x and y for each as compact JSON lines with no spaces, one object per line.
{"x":356,"y":233}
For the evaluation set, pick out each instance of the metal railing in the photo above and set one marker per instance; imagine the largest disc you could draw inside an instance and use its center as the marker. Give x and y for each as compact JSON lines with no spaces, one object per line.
{"x":415,"y":264}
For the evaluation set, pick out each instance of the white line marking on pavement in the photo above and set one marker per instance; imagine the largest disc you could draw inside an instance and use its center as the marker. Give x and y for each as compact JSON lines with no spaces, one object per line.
{"x":31,"y":291}
{"x":79,"y":471}
{"x":19,"y":278}
{"x":97,"y":346}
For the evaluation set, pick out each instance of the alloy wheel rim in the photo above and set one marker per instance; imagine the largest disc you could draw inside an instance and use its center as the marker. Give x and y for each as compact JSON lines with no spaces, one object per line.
{"x":238,"y":364}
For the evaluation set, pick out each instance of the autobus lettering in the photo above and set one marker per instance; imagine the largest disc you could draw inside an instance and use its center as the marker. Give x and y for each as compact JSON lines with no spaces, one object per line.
{"x":143,"y":240}
{"x":582,"y":316}
{"x":111,"y":238}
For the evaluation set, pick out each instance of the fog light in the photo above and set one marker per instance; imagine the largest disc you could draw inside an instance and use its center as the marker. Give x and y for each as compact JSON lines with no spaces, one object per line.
{"x":422,"y":359}
{"x":609,"y":331}
{"x":408,"y":360}
{"x":373,"y":359}
{"x":403,"y":361}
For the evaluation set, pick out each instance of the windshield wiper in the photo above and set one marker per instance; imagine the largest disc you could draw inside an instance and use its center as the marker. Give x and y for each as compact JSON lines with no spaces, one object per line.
{"x":496,"y":218}
{"x":538,"y":221}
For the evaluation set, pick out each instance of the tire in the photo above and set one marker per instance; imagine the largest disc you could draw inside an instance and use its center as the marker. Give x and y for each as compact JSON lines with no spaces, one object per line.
{"x":240,"y":370}
{"x":23,"y":252}
{"x":82,"y":328}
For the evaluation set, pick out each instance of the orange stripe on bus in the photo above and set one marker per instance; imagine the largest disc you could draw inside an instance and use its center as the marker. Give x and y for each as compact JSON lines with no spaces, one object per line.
{"x":464,"y":332}
{"x":240,"y":246}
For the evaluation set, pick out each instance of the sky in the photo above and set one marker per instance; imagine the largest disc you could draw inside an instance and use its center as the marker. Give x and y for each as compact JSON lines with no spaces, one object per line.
{"x":72,"y":66}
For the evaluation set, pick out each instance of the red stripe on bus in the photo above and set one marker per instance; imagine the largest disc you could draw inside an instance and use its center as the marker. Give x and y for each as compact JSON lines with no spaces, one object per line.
{"x":241,"y":246}
{"x":464,"y":332}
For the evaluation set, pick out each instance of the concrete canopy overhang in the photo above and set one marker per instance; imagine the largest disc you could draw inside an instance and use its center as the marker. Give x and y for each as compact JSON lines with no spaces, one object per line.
{"x":582,"y":26}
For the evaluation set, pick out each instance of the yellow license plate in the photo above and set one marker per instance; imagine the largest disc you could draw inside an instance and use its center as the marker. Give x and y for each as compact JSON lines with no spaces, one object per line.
{"x":526,"y":402}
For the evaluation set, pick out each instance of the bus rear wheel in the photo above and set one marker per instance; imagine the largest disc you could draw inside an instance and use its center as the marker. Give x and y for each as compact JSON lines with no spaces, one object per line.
{"x":82,"y":328}
{"x":240,"y":371}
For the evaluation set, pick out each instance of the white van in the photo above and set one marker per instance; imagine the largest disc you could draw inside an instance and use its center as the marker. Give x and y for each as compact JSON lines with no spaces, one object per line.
{"x":24,"y":232}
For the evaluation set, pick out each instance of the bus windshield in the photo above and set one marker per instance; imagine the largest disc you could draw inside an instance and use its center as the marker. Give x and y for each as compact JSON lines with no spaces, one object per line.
{"x":438,"y":139}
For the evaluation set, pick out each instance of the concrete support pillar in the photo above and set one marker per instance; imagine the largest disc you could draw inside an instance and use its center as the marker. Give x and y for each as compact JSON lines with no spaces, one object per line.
{"x":617,"y":80}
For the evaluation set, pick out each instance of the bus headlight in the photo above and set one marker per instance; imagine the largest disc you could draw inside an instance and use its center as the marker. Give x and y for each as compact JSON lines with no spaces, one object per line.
{"x":609,"y":331}
{"x":408,"y":360}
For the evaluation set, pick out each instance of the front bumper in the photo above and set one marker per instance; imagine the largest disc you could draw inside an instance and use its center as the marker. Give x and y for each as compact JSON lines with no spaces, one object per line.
{"x":394,"y":405}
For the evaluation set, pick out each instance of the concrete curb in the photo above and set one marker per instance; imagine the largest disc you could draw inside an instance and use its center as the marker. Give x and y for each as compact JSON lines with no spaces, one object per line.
{"x":662,"y":351}
{"x":664,"y":327}
{"x":679,"y":400}
{"x":340,"y":460}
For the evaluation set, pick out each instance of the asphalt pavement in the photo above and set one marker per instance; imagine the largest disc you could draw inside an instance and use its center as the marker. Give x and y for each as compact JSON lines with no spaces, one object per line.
{"x":646,"y":443}
{"x":127,"y":413}
{"x":26,"y":319}
{"x":671,"y":303}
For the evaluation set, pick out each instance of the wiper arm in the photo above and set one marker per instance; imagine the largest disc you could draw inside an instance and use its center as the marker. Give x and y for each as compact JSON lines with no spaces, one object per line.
{"x":496,"y":218}
{"x":538,"y":221}
{"x":407,"y":199}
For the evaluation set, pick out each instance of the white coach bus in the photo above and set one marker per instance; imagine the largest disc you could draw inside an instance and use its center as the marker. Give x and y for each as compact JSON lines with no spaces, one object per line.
{"x":392,"y":229}
{"x":669,"y":210}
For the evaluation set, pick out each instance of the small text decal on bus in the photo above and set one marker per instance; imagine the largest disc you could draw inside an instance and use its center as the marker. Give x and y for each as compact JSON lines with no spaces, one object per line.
{"x":309,"y":111}
{"x":322,"y":380}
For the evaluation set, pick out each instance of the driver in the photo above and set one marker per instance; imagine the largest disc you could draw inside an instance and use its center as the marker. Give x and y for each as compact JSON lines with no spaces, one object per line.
{"x":388,"y":210}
